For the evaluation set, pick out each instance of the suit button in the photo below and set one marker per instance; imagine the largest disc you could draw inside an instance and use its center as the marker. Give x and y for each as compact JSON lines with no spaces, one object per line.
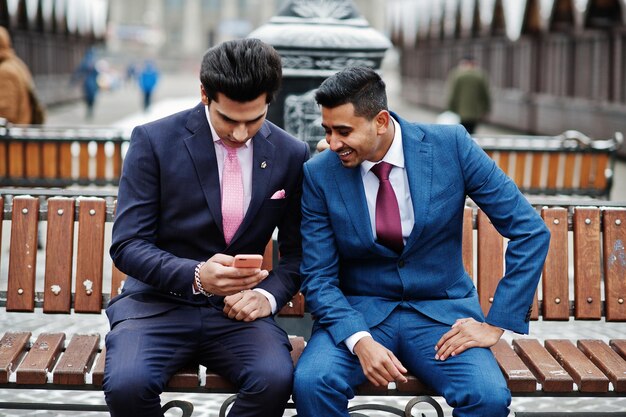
{"x":401,"y":263}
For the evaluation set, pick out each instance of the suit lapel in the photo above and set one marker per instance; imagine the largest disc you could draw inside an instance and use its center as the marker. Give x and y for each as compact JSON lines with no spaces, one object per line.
{"x":350,"y":186}
{"x":202,"y":151}
{"x":419,"y":168}
{"x":262,"y":166}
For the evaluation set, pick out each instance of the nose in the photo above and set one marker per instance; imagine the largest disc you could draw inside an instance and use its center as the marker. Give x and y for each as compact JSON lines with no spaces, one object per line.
{"x":240,"y":133}
{"x":334,"y":143}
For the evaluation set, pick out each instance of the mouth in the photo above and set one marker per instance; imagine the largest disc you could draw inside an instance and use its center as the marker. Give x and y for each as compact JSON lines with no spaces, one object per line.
{"x":344,"y":154}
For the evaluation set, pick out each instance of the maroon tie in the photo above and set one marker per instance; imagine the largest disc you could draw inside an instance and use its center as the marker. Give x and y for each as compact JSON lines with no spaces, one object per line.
{"x":388,"y":226}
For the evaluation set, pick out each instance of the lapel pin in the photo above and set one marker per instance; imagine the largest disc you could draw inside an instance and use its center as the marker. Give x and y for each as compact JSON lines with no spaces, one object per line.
{"x":263,"y":165}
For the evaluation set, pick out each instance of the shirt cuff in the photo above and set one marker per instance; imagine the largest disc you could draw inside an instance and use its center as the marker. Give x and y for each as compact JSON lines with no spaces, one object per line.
{"x":351,"y":340}
{"x":269,"y":297}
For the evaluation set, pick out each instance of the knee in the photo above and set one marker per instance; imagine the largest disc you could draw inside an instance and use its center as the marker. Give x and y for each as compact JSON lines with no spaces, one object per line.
{"x":488,"y":400}
{"x":311,"y":380}
{"x":274,"y":380}
{"x":130,"y":387}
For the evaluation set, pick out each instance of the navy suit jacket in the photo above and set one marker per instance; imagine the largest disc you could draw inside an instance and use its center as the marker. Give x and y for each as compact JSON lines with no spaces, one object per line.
{"x":351,"y":283}
{"x":169,"y":213}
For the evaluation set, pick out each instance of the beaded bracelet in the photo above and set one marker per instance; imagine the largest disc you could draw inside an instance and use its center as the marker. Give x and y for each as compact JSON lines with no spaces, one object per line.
{"x":196,"y":277}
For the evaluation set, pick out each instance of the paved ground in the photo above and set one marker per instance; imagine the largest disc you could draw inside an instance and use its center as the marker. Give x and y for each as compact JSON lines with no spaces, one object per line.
{"x":123,"y":107}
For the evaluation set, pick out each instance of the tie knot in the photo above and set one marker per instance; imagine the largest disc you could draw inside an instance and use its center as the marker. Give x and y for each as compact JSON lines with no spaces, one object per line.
{"x":382,"y":170}
{"x":230,"y":151}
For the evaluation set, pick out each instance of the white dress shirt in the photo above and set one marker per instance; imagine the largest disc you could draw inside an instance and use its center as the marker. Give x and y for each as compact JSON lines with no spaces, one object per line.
{"x":400,"y":184}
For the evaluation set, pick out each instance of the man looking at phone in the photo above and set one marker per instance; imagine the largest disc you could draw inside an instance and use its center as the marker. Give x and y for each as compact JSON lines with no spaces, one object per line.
{"x":199,"y":187}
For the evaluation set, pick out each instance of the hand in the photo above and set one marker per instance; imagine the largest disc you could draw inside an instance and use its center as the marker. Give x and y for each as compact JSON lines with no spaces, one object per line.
{"x":466,"y":333}
{"x":219,"y":277}
{"x":247,"y":306}
{"x":379,"y":364}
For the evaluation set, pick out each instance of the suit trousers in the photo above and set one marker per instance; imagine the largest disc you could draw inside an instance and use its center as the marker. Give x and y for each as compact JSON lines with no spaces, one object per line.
{"x":142,"y":354}
{"x":471,"y":382}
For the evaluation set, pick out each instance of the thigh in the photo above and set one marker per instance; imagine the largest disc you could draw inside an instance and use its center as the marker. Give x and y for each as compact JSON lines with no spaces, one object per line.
{"x":151,"y":347}
{"x":237,"y":349}
{"x":474,"y":369}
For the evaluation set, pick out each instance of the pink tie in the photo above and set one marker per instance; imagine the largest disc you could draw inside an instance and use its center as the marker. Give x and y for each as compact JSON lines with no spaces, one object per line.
{"x":388,"y":225}
{"x":232,"y":194}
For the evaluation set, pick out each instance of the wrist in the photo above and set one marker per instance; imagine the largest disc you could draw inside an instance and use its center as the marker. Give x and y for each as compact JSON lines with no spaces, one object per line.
{"x":198,"y":282}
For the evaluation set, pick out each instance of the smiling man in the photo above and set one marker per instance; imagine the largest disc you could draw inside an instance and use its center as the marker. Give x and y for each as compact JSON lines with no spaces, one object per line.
{"x":199,"y":187}
{"x":382,"y":266}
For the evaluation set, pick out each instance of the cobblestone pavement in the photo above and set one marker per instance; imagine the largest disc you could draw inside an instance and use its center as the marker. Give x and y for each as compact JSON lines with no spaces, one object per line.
{"x":180,"y":91}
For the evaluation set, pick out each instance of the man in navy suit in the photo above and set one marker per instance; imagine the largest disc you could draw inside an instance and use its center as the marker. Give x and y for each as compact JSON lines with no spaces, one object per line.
{"x":389,"y":293}
{"x":183,"y":301}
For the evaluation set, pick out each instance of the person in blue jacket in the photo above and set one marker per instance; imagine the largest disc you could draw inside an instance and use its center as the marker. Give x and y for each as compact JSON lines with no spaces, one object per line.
{"x":148,"y":79}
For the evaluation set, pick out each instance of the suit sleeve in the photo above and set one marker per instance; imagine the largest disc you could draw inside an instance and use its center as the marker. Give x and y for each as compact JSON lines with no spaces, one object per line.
{"x":515,"y":219}
{"x":284,"y":280}
{"x":320,"y":267}
{"x":133,"y":247}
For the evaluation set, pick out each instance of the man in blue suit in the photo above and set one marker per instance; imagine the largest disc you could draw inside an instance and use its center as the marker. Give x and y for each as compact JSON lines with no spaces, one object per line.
{"x":384,"y":277}
{"x":199,"y":187}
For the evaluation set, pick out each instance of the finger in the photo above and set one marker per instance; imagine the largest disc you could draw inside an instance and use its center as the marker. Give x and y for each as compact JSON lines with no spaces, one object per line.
{"x":222,"y":259}
{"x":451,"y":333}
{"x":400,"y":368}
{"x":452,"y":346}
{"x":462,"y":348}
{"x":393,"y":371}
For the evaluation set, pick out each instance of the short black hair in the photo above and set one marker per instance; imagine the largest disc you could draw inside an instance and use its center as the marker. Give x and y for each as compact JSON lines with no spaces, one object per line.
{"x":242,"y":70}
{"x":360,"y":86}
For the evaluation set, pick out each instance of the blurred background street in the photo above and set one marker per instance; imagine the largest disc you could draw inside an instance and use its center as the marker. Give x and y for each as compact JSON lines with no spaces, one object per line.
{"x":173,"y":34}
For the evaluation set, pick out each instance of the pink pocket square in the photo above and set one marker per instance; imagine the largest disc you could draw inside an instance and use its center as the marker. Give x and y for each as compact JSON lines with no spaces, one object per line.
{"x":278,"y":195}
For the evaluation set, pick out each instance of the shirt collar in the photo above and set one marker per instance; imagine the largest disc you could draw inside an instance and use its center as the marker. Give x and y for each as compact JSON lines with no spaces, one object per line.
{"x":214,"y":133}
{"x":395,"y":154}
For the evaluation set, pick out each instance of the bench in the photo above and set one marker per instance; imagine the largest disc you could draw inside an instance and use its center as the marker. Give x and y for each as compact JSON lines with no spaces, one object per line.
{"x":568,"y":164}
{"x":36,"y":156}
{"x":74,"y":281}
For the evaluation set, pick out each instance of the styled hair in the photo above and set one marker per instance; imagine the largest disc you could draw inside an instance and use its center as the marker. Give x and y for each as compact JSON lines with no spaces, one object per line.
{"x":242,"y":70}
{"x":360,"y":86}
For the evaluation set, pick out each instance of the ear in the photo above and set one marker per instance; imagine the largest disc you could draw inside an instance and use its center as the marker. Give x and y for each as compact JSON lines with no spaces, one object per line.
{"x":382,"y":121}
{"x":204,"y":97}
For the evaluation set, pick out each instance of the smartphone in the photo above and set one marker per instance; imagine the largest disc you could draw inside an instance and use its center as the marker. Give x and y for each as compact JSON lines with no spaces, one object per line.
{"x":248,"y":261}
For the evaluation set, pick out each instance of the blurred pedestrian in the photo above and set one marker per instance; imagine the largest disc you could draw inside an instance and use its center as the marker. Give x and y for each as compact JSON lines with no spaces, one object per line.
{"x":148,"y":79}
{"x":468,"y":93}
{"x":88,"y":72}
{"x":18,"y":102}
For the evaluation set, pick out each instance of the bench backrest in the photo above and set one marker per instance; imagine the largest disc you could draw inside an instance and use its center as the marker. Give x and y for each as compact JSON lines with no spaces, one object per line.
{"x":587,"y":248}
{"x":32,"y":156}
{"x":567,"y":164}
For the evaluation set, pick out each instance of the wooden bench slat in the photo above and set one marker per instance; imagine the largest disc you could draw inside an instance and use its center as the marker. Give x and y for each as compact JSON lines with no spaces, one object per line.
{"x":187,"y":377}
{"x":555,"y":281}
{"x":40,"y":359}
{"x":23,"y":254}
{"x":12,"y":348}
{"x":585,"y":170}
{"x":568,"y":178}
{"x":117,"y":161}
{"x":413,"y":385}
{"x":518,"y":376}
{"x":614,"y":239}
{"x":16,"y":159}
{"x":551,"y":375}
{"x":536,"y":170}
{"x":59,"y":253}
{"x":553,"y":170}
{"x":607,"y":360}
{"x":587,"y":263}
{"x":520,"y":168}
{"x":117,"y":277}
{"x":602,"y":163}
{"x":468,"y":241}
{"x":65,"y":160}
{"x":97,"y":373}
{"x":50,"y":160}
{"x":619,"y":345}
{"x":490,"y":260}
{"x":77,"y":360}
{"x":90,"y":256}
{"x":586,"y":375}
{"x":100,"y":163}
{"x":4,"y":165}
{"x":83,"y":160}
{"x":504,"y":160}
{"x":33,"y":160}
